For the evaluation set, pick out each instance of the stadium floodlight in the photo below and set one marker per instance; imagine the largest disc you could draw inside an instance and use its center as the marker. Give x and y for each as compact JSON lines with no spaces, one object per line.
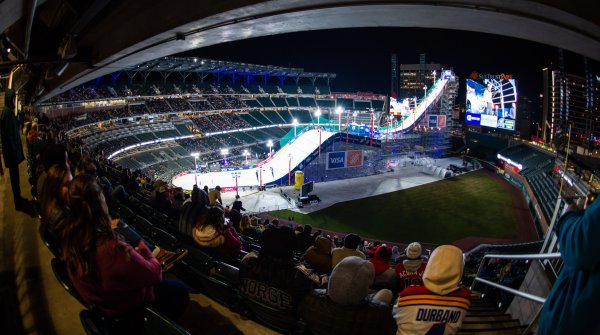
{"x":318,"y":115}
{"x":295,"y":123}
{"x":339,"y":110}
{"x":270,"y":144}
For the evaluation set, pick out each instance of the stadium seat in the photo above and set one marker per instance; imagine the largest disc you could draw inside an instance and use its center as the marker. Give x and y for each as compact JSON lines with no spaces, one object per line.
{"x":54,"y":249}
{"x":217,"y":289}
{"x":163,"y":239}
{"x":147,"y":210}
{"x":283,"y":321}
{"x":142,"y":226}
{"x":149,"y":323}
{"x":227,"y":273}
{"x":60,"y":272}
{"x":134,"y":202}
{"x":199,"y":260}
{"x":156,"y":323}
{"x":92,"y":323}
{"x":124,"y":212}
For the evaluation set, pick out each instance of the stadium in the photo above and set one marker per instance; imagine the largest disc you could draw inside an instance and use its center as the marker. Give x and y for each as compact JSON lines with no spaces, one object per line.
{"x":167,"y":140}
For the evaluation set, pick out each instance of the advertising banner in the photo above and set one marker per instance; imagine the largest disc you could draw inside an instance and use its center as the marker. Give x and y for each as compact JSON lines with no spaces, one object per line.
{"x":342,"y":159}
{"x":336,"y":160}
{"x":433,"y":119}
{"x":354,"y":158}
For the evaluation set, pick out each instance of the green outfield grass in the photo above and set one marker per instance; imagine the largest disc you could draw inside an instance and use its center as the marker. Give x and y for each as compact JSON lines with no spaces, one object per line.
{"x":448,"y":210}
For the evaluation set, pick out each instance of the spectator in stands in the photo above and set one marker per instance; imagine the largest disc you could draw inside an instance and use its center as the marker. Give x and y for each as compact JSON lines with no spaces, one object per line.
{"x":441,"y":304}
{"x":304,"y":240}
{"x":237,"y":204}
{"x":235,"y":219}
{"x":572,"y":305}
{"x":12,"y":150}
{"x":318,"y":256}
{"x":88,"y":165}
{"x":346,"y":307}
{"x":371,"y":249}
{"x":163,"y":200}
{"x":395,"y":254}
{"x":410,"y":270}
{"x":385,"y":276}
{"x":273,"y":270}
{"x":54,"y":207}
{"x":350,"y":248}
{"x":107,"y":272}
{"x":215,"y":195}
{"x":248,"y":229}
{"x":210,"y":231}
{"x":381,"y":259}
{"x":34,"y":145}
{"x":195,"y":193}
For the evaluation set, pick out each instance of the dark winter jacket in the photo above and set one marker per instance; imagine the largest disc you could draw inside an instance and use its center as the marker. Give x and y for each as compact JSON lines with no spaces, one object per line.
{"x":326,"y":317}
{"x":9,"y":129}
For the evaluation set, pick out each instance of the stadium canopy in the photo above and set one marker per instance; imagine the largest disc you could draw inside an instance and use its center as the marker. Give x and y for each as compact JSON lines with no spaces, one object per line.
{"x":203,"y":67}
{"x":52,"y":46}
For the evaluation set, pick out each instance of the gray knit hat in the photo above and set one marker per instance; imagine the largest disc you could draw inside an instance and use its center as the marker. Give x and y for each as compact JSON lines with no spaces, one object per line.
{"x":414,"y":250}
{"x":350,"y":281}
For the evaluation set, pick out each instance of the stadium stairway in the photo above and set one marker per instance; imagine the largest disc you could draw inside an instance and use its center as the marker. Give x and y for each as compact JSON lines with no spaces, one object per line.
{"x":484,"y":318}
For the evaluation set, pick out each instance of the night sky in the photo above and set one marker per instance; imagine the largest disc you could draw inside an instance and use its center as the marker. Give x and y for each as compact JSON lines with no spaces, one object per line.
{"x":361,"y":57}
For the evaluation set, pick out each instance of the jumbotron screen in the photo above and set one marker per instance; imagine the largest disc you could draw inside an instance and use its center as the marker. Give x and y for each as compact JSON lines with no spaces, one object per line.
{"x":492,"y":103}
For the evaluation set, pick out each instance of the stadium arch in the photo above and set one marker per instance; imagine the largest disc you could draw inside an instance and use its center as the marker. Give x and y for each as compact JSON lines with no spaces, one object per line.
{"x":115,"y":40}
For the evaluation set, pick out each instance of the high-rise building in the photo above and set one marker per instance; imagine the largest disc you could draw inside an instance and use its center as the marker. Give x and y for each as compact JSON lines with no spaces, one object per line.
{"x":571,"y":100}
{"x":414,"y":77}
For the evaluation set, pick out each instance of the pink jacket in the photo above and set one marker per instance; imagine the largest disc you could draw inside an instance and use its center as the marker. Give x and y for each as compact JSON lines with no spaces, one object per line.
{"x":125,"y":281}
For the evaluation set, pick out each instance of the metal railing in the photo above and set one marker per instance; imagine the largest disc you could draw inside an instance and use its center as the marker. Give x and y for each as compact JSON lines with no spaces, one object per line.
{"x":525,"y":295}
{"x":507,"y":289}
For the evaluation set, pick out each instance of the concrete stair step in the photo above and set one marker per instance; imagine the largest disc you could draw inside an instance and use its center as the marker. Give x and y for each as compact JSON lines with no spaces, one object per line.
{"x":517,"y":330}
{"x":483,"y":308}
{"x":482,"y":304}
{"x":486,"y":312}
{"x":498,"y":324}
{"x":487,"y":318}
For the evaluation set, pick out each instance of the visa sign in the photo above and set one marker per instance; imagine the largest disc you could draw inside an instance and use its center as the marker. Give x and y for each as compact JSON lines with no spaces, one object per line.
{"x":336,"y":160}
{"x":342,"y":159}
{"x":433,"y":120}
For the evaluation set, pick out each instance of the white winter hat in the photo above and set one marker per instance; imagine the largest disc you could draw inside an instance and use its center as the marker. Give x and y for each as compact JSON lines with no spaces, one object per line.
{"x":414,"y":250}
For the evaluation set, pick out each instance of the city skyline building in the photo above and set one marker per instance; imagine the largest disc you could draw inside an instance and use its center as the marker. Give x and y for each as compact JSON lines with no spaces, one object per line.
{"x":573,"y":101}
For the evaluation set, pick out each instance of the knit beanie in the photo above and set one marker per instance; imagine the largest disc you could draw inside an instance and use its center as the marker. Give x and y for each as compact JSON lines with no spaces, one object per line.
{"x":444,"y":270}
{"x":414,"y":250}
{"x":350,"y":281}
{"x":278,"y":242}
{"x":351,"y":241}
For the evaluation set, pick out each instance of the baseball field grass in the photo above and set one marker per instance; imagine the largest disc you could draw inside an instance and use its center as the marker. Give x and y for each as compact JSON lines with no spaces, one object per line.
{"x":473,"y":204}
